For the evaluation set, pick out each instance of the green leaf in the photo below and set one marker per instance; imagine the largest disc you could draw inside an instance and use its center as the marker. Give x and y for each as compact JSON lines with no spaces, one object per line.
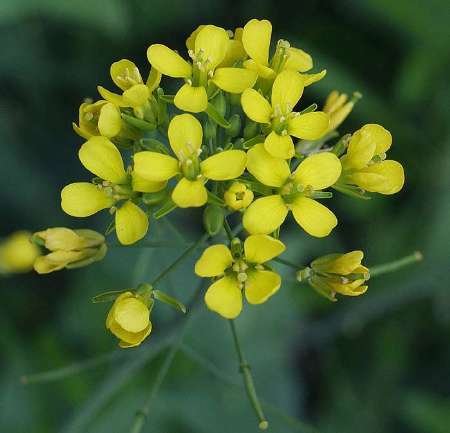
{"x":215,"y":116}
{"x":108,"y":296}
{"x":169,"y":300}
{"x":138,"y":123}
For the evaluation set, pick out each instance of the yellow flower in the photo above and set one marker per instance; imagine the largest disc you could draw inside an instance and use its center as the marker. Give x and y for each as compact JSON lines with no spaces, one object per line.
{"x":129,"y":320}
{"x":338,"y":107}
{"x":98,"y":118}
{"x":365,"y":165}
{"x":185,"y":137}
{"x":242,"y":270}
{"x":295,"y":192}
{"x":337,"y":273}
{"x":17,"y":253}
{"x":68,"y":249}
{"x":286,"y":92}
{"x":238,"y":196}
{"x":83,"y":199}
{"x":256,"y":37}
{"x":209,"y":46}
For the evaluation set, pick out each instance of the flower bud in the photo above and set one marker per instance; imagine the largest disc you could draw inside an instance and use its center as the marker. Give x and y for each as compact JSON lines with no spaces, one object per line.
{"x":238,"y":196}
{"x":213,"y":218}
{"x":68,"y":248}
{"x":129,"y":319}
{"x":338,"y":107}
{"x":337,"y":273}
{"x":17,"y":253}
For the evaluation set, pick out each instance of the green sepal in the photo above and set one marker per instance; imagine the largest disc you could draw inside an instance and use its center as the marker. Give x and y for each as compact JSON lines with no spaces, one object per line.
{"x":352,"y":191}
{"x":167,"y":207}
{"x":108,"y":296}
{"x":250,"y":129}
{"x":139,"y":123}
{"x":36,"y":240}
{"x":169,"y":300}
{"x":167,"y":98}
{"x":252,"y":141}
{"x":340,"y":147}
{"x":153,"y":145}
{"x":154,"y":198}
{"x":111,"y":227}
{"x":214,"y":115}
{"x":219,"y":102}
{"x":235,"y":126}
{"x":213,"y":219}
{"x":309,"y":109}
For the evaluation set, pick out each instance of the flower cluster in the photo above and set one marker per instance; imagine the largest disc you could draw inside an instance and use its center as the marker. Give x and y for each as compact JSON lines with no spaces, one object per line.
{"x":234,"y":139}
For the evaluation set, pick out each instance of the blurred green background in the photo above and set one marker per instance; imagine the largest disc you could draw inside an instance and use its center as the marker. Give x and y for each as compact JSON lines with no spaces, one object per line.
{"x":379,"y":363}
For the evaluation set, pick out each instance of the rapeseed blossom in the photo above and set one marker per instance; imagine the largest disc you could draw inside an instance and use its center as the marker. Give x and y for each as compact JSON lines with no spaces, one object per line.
{"x":17,"y":253}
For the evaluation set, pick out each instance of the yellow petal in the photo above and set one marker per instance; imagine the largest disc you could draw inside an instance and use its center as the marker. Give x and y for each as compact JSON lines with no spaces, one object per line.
{"x":114,"y":98}
{"x":190,"y":193}
{"x":298,"y":60}
{"x":386,"y":177}
{"x":56,"y":261}
{"x":226,"y":165}
{"x":129,"y":339}
{"x":131,"y":223}
{"x":309,"y":126}
{"x":61,"y":238}
{"x":192,"y":99}
{"x":313,"y":217}
{"x":261,"y":285}
{"x":279,"y":146}
{"x":361,"y":149}
{"x":286,"y":91}
{"x":102,"y":158}
{"x":153,"y":80}
{"x":125,"y":74}
{"x":83,"y":199}
{"x":379,"y":135}
{"x":168,"y":62}
{"x":109,"y":120}
{"x":17,"y":253}
{"x":185,"y":135}
{"x":234,"y":80}
{"x":132,"y":315}
{"x":263,"y":71}
{"x":225,"y":297}
{"x":137,"y":95}
{"x":155,"y":167}
{"x":309,"y":79}
{"x":265,"y":215}
{"x":120,"y":298}
{"x":262,"y":248}
{"x":256,"y":40}
{"x":319,"y":170}
{"x":255,"y":106}
{"x":214,"y":261}
{"x":143,"y":185}
{"x":190,"y":41}
{"x":342,"y":264}
{"x":211,"y":44}
{"x":234,"y":53}
{"x":267,"y":169}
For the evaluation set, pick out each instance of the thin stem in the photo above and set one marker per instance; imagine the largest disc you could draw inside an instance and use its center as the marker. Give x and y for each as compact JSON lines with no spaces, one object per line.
{"x":142,"y":413}
{"x":287,"y":263}
{"x":173,"y":265}
{"x":395,"y":265}
{"x":70,"y":370}
{"x":248,"y":380}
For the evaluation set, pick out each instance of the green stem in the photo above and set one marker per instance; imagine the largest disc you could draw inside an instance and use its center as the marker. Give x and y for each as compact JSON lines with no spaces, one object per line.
{"x":287,"y":263}
{"x":395,"y":265}
{"x":228,"y":230}
{"x":142,"y":414}
{"x":173,"y":265}
{"x":70,"y":370}
{"x":248,"y":380}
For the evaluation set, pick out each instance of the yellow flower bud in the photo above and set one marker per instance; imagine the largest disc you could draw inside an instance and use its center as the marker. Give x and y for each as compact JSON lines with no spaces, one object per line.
{"x":238,"y":196}
{"x":337,"y":273}
{"x":338,"y":107}
{"x":68,"y":249}
{"x":129,"y":320}
{"x":17,"y":253}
